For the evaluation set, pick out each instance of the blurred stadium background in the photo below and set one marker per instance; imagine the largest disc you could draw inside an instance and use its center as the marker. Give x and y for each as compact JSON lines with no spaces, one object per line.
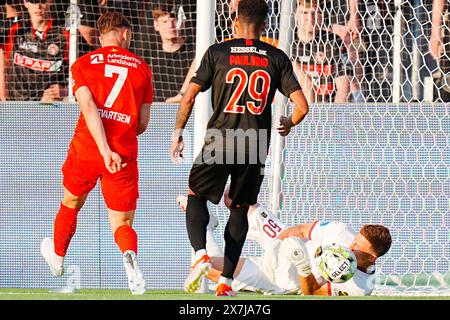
{"x":381,"y":157}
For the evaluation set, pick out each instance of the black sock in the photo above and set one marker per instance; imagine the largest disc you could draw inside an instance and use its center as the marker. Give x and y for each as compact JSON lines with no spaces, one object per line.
{"x":235,"y":234}
{"x":197,"y":218}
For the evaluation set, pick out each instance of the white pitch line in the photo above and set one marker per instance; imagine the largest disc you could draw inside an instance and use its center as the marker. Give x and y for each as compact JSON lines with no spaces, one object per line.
{"x":12,"y":293}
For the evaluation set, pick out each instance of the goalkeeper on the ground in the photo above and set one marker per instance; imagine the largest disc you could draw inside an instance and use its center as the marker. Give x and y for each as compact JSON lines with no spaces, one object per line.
{"x":277,"y":272}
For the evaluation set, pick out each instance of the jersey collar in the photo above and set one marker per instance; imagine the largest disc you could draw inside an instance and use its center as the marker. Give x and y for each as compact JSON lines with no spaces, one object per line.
{"x":42,"y":35}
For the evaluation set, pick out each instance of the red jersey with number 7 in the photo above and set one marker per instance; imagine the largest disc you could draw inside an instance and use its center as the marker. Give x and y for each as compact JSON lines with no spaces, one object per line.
{"x":120,"y":82}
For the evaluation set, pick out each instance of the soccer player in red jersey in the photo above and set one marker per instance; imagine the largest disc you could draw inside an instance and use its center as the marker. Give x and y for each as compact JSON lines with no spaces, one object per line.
{"x":114,"y":90}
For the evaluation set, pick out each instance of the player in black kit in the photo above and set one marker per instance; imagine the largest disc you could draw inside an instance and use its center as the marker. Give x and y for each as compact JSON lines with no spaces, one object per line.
{"x":244,"y":74}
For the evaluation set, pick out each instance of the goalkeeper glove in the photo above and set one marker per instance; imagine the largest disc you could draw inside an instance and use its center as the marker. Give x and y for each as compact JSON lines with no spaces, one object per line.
{"x":295,"y":251}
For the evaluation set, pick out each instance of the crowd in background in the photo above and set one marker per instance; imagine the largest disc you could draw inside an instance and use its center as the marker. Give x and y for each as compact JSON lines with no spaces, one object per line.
{"x":342,"y":50}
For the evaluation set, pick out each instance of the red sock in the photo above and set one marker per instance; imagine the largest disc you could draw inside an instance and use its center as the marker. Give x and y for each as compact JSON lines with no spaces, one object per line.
{"x":64,"y":229}
{"x":126,"y":238}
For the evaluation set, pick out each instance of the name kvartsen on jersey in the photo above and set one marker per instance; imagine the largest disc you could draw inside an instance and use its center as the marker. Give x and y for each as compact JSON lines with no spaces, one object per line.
{"x":113,"y":115}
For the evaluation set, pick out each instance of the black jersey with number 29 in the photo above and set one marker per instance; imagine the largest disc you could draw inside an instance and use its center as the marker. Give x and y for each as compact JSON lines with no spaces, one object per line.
{"x":244,"y":75}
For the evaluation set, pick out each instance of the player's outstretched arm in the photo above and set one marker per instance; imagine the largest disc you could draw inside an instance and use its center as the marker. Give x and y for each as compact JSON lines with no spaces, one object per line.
{"x":190,"y":74}
{"x":300,"y":111}
{"x":113,"y":161}
{"x":300,"y":231}
{"x":183,"y":114}
{"x":144,"y":118}
{"x":294,"y":250}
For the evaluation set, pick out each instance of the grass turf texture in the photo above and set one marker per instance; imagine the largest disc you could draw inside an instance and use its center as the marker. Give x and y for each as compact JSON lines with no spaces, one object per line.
{"x":92,"y":294}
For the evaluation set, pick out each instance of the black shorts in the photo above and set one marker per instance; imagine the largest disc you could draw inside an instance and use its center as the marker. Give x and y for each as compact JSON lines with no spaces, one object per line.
{"x":208,"y":181}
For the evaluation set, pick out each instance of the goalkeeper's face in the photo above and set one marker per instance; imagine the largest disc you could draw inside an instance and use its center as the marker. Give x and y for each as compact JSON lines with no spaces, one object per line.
{"x":363,"y":249}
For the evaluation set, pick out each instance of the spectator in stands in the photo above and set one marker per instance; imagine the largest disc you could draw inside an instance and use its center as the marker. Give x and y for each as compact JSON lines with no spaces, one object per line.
{"x":36,"y":56}
{"x":321,"y":58}
{"x":172,"y":57}
{"x":10,"y":11}
{"x":374,"y":23}
{"x":440,"y":46}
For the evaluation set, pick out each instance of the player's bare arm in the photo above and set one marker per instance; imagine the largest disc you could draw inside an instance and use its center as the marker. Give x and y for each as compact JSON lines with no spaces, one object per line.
{"x":299,"y":113}
{"x":305,"y":81}
{"x":190,"y":74}
{"x":301,"y":231}
{"x":183,"y":114}
{"x":310,"y":286}
{"x":113,"y":161}
{"x":144,"y":118}
{"x":294,"y":249}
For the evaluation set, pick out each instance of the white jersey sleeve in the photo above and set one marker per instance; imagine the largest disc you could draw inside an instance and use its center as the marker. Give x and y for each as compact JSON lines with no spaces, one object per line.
{"x":264,"y":227}
{"x":325,"y":232}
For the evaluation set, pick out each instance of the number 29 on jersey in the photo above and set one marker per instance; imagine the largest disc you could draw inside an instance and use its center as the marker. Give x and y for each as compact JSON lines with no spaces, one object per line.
{"x":249,"y":83}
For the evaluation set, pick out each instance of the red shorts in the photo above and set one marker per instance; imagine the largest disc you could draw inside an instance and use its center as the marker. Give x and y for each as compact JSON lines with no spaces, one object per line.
{"x":120,"y":190}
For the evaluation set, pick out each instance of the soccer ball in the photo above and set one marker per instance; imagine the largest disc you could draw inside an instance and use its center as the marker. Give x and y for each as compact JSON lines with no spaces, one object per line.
{"x":336,"y":263}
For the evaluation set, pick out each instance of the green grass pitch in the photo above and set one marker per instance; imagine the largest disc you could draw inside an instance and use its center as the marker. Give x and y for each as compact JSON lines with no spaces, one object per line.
{"x":92,"y":294}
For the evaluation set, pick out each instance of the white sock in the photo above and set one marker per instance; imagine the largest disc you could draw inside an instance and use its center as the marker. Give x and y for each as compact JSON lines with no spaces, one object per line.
{"x":211,"y":244}
{"x":200,"y":253}
{"x":226,"y":281}
{"x":58,"y":259}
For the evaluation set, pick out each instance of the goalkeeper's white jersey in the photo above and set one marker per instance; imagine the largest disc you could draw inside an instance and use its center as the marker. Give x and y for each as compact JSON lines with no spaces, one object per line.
{"x":264,"y":228}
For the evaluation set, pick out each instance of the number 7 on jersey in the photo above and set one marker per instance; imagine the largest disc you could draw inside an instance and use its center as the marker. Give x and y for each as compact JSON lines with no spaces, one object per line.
{"x":110,"y":70}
